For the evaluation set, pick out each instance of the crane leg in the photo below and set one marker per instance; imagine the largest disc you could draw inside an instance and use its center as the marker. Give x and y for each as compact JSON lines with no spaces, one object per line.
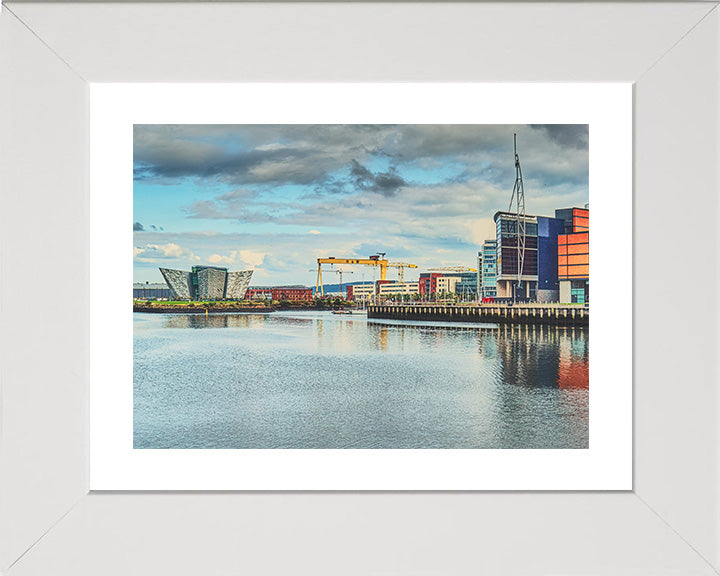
{"x":319,"y":285}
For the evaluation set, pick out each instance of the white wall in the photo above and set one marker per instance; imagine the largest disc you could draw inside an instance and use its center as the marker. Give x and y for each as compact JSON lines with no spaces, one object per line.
{"x":43,"y":288}
{"x":677,"y":447}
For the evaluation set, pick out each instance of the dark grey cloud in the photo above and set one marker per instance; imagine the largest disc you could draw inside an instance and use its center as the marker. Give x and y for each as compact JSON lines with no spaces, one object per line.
{"x":334,"y":159}
{"x":385,"y":183}
{"x":565,"y":135}
{"x":138,"y":227}
{"x":183,"y":160}
{"x":246,"y":154}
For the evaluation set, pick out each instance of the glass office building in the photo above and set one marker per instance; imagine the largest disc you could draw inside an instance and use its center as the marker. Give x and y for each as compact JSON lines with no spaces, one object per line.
{"x":466,"y":286}
{"x":487,"y":265}
{"x":538,"y":278}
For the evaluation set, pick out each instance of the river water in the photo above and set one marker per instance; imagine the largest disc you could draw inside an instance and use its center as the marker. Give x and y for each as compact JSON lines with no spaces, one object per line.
{"x":319,"y":380}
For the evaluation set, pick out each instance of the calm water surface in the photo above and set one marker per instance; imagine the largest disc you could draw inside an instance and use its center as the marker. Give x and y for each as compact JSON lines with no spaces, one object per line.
{"x":318,"y":380}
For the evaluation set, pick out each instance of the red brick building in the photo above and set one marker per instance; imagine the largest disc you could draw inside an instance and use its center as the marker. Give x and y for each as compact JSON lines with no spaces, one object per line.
{"x":279,"y":293}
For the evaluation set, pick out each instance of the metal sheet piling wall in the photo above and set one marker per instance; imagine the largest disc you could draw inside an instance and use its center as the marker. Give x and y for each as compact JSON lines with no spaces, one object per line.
{"x":496,"y":314}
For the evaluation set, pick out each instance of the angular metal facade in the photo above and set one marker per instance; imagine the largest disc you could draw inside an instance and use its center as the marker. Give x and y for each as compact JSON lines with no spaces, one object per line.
{"x":237,"y":284}
{"x":207,"y":283}
{"x":211,"y":284}
{"x":179,"y":282}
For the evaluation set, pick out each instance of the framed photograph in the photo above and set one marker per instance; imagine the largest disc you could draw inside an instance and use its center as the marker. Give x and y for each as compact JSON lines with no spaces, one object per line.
{"x":76,"y":444}
{"x":331,"y":174}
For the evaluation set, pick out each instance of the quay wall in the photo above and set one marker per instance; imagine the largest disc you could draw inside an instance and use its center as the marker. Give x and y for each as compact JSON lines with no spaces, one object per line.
{"x":490,"y":313}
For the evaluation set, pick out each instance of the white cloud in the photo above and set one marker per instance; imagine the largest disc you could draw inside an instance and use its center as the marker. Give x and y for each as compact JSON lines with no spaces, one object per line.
{"x":481,"y":230}
{"x":217,"y":259}
{"x":153,"y":252}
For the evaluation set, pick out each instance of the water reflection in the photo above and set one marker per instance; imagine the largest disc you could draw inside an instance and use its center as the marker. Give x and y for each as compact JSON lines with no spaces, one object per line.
{"x":543,"y":356}
{"x":379,"y":336}
{"x":213,"y":320}
{"x":317,"y":380}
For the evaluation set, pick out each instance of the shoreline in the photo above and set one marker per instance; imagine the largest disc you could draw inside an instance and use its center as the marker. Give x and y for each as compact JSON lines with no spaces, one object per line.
{"x":195,"y":309}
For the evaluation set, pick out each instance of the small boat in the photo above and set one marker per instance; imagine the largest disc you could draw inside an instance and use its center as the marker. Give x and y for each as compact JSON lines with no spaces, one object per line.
{"x":342,"y":312}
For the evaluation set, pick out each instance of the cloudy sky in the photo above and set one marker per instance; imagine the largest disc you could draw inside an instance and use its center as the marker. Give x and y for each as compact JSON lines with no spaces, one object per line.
{"x":275,"y":198}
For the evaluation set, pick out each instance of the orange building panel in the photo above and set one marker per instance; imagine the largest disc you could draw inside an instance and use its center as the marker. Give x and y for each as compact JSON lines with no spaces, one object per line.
{"x":580,"y":271}
{"x":574,"y":248}
{"x":579,"y":238}
{"x":580,"y":224}
{"x":578,"y":259}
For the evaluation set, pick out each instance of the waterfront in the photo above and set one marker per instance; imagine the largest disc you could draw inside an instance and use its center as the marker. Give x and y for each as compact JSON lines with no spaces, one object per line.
{"x":317,"y":380}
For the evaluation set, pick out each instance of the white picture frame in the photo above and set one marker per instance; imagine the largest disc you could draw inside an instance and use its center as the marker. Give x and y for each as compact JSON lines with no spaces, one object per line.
{"x":668,"y":523}
{"x":114,"y":463}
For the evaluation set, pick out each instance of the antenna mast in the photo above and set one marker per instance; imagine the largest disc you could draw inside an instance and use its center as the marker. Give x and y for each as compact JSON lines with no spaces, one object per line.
{"x":518,"y":194}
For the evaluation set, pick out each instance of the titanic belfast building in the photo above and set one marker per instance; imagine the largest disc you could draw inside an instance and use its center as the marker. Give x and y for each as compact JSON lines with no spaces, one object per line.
{"x":207,"y":283}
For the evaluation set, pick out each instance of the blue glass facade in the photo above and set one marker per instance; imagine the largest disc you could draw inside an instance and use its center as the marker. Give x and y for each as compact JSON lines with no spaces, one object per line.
{"x":466,"y":287}
{"x":488,"y":269}
{"x":548,"y":230}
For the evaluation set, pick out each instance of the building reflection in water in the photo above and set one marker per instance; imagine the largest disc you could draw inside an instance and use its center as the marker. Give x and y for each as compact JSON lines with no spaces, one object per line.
{"x":394,"y":336}
{"x":214,"y":320}
{"x":540,"y":356}
{"x":551,"y":366}
{"x":574,"y":367}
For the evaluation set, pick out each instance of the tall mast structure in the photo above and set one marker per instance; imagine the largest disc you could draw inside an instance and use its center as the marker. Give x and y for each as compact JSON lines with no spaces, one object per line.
{"x":518,"y":195}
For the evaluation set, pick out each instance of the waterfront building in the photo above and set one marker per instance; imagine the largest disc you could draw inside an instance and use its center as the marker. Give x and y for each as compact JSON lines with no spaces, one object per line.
{"x":361,"y":292}
{"x":207,"y":283}
{"x":446,"y":284}
{"x":487,"y":267}
{"x":427,"y":284}
{"x":393,"y":288}
{"x":538,"y":279}
{"x":293,"y":293}
{"x":574,"y":256}
{"x":467,"y":285}
{"x":258,"y":293}
{"x":575,"y":219}
{"x":151,"y":291}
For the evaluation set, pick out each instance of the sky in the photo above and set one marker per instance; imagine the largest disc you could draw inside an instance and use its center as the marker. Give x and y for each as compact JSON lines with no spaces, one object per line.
{"x":274,"y":198}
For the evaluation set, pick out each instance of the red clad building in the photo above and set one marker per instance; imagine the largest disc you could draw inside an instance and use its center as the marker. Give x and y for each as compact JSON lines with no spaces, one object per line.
{"x":427,"y":284}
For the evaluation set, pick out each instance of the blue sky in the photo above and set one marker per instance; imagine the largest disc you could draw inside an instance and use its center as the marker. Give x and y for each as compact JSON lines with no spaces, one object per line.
{"x":274,"y":198}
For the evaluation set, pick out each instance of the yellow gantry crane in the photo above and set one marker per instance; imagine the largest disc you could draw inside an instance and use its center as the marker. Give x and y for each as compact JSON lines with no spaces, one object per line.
{"x":401,"y":268}
{"x":377,"y":261}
